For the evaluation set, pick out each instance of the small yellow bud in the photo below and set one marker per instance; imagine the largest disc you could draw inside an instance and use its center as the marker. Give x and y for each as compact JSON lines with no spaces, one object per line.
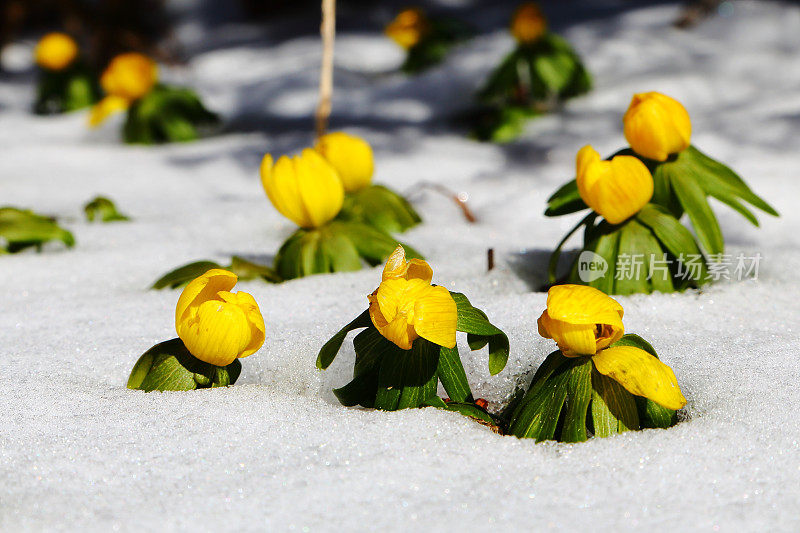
{"x":216,"y":325}
{"x":56,"y":51}
{"x":615,"y":189}
{"x":129,"y":76}
{"x":105,"y":108}
{"x":405,"y":306}
{"x":305,"y":189}
{"x":408,"y":28}
{"x":582,"y":320}
{"x":528,"y":23}
{"x":657,"y":126}
{"x":351,"y":156}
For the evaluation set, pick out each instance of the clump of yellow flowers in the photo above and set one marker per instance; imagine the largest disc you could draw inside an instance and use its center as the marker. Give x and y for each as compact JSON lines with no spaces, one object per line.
{"x":633,"y":240}
{"x":343,"y":220}
{"x":65,"y":83}
{"x":426,"y":40}
{"x":600,"y":381}
{"x":156,"y":113}
{"x":216,"y":328}
{"x":408,"y":343}
{"x":539,"y":74}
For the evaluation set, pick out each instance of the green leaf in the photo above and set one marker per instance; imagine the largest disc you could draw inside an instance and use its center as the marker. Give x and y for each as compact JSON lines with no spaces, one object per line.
{"x":452,"y":375}
{"x":247,"y":270}
{"x":579,"y":395}
{"x":329,"y":350}
{"x":360,"y":391}
{"x":694,"y":202}
{"x":103,"y":209}
{"x":565,"y":200}
{"x":607,"y":246}
{"x":613,"y":408}
{"x":538,"y":414}
{"x":183,"y":274}
{"x":167,"y":114}
{"x":373,"y":245}
{"x":380,"y":208}
{"x":552,"y":266}
{"x":467,"y":409}
{"x":407,"y":378}
{"x":473,"y":321}
{"x":718,"y":176}
{"x":168,"y":366}
{"x":635,"y":245}
{"x":22,"y":228}
{"x":342,"y":254}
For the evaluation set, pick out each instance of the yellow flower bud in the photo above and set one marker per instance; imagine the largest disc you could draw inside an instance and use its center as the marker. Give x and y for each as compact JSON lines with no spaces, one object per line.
{"x":216,"y":325}
{"x":528,"y":23}
{"x":657,"y":126}
{"x":406,"y":306}
{"x":582,"y":320}
{"x":129,"y":76}
{"x":56,"y":51}
{"x":615,"y":189}
{"x":305,"y":188}
{"x":408,"y":28}
{"x":351,"y":156}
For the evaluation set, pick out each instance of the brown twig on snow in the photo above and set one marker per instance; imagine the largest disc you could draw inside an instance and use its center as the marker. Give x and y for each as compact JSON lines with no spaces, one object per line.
{"x":696,"y":11}
{"x":328,"y":32}
{"x":490,"y":259}
{"x":460,"y":202}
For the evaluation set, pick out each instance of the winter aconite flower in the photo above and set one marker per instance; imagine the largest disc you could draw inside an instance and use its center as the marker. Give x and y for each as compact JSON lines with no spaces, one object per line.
{"x":528,"y":23}
{"x":351,"y":156}
{"x":406,"y":306}
{"x":615,"y":189}
{"x":408,"y":28}
{"x":305,"y":189}
{"x":585,"y":322}
{"x":216,"y":325}
{"x":657,"y":126}
{"x":127,"y":78}
{"x":56,"y":51}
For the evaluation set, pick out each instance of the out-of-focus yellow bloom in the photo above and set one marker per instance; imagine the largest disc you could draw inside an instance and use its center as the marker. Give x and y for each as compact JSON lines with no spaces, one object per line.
{"x":585,"y":322}
{"x":408,"y":28}
{"x":615,"y":189}
{"x":129,"y":76}
{"x":528,"y":23}
{"x":105,"y":108}
{"x":216,"y":325}
{"x":406,"y":306}
{"x":657,"y":125}
{"x":351,"y":156}
{"x":582,"y":320}
{"x":305,"y":189}
{"x":56,"y":51}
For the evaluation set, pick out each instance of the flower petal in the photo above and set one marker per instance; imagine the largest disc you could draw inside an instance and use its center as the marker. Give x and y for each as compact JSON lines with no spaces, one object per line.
{"x":350,"y":156}
{"x":247,"y":303}
{"x":107,"y":107}
{"x":572,"y":339}
{"x":436,"y":317}
{"x":282,"y":189}
{"x":398,"y":267}
{"x":579,"y":304}
{"x":320,"y":188}
{"x":641,"y":374}
{"x":656,"y":125}
{"x":215,"y":332}
{"x":203,"y":288}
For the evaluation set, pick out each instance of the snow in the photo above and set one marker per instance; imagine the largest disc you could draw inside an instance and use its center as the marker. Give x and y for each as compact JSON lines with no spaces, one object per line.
{"x":79,"y":451}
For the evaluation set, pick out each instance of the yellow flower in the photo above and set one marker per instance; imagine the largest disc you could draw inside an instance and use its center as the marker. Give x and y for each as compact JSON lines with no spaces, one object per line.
{"x":56,"y":51}
{"x":406,"y":306}
{"x":657,"y":125}
{"x":585,"y":322}
{"x":528,"y":23}
{"x":408,"y":28}
{"x":582,"y":320}
{"x":615,"y":189}
{"x":127,"y":78}
{"x":216,"y":325}
{"x":351,"y":156}
{"x":305,"y":188}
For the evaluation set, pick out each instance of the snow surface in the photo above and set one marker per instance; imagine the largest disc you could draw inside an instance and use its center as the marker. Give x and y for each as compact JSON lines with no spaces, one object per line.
{"x":79,"y":451}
